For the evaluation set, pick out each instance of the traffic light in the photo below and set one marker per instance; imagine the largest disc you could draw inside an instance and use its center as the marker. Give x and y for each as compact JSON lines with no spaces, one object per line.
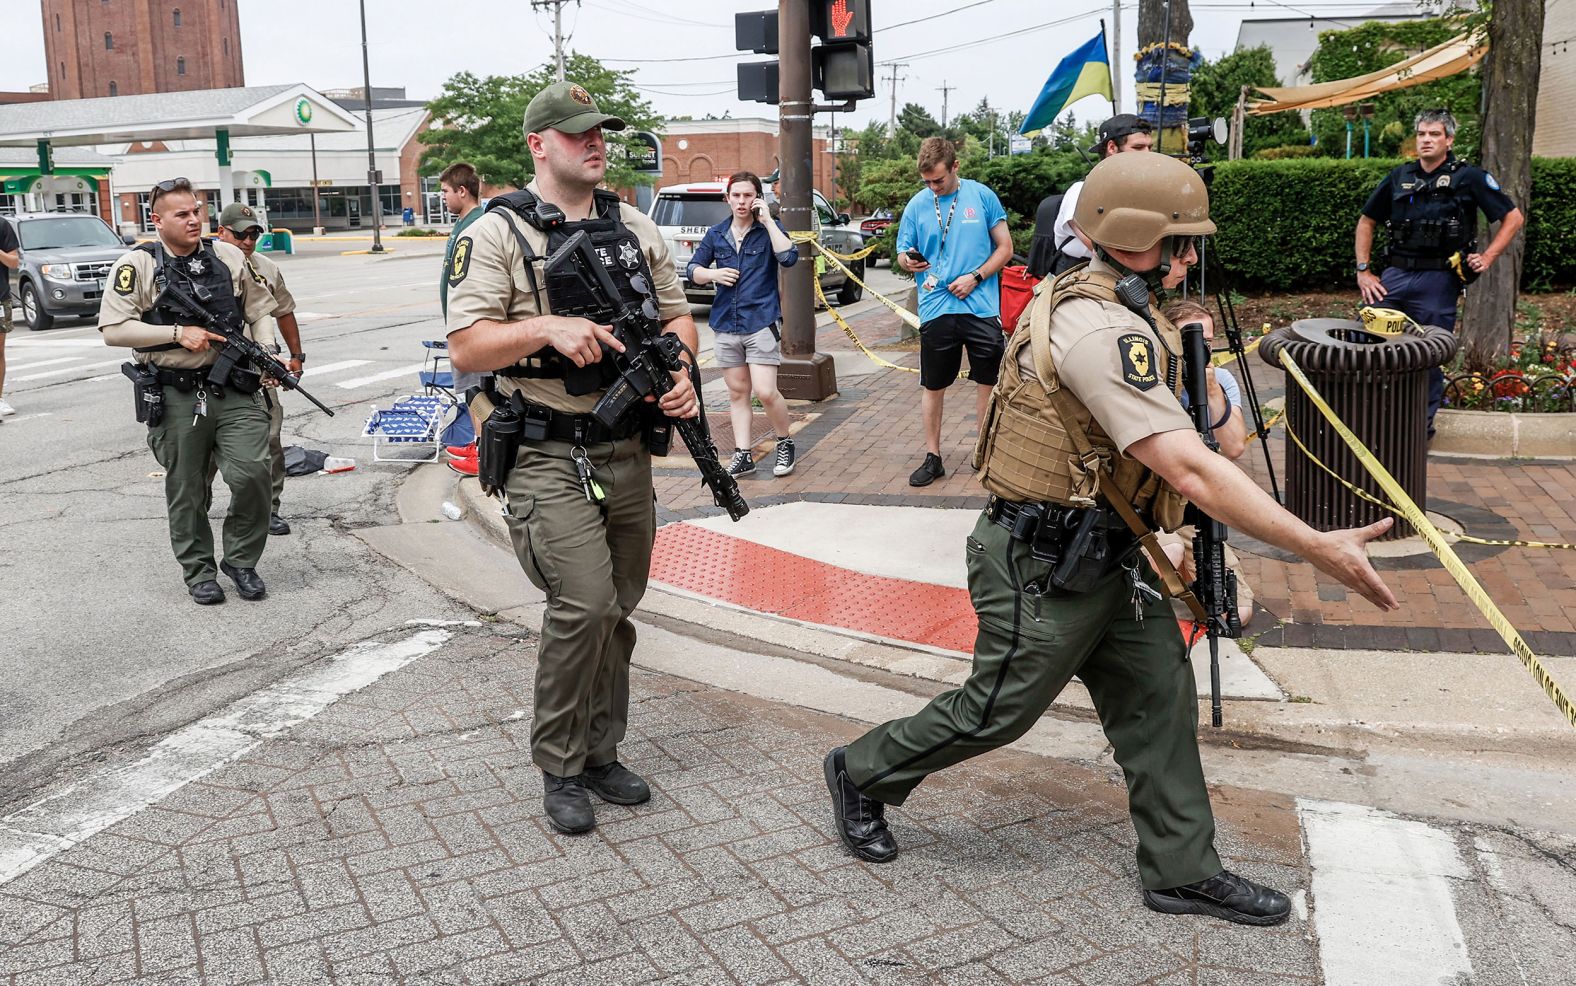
{"x":842,"y":66}
{"x":756,"y":31}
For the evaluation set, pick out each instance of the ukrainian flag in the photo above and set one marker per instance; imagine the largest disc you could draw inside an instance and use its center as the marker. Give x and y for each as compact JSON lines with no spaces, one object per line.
{"x":1085,"y":72}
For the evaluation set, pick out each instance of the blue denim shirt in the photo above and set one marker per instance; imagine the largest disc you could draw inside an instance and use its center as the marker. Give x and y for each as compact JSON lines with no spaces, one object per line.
{"x":752,"y":303}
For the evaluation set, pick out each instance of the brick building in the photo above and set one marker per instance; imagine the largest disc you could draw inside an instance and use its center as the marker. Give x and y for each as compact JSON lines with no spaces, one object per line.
{"x":711,"y":150}
{"x":128,"y":47}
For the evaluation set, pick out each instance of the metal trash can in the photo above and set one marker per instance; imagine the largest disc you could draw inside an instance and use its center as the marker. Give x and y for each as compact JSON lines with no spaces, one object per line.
{"x":1377,"y":385}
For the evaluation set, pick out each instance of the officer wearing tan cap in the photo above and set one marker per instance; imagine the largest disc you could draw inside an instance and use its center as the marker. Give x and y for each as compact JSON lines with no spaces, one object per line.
{"x":579,"y":496}
{"x":1086,"y":451}
{"x":239,"y":225}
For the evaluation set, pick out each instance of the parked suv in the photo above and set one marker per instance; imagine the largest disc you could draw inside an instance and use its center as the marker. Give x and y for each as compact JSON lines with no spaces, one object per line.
{"x":684,"y":212}
{"x":65,"y":258}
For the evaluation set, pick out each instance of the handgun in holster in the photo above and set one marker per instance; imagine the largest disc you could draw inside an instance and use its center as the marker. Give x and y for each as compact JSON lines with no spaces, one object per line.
{"x":1086,"y":553}
{"x":146,"y":391}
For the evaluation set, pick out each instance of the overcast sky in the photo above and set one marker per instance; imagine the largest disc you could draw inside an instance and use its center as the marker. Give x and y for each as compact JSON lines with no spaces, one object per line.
{"x":1003,"y":49}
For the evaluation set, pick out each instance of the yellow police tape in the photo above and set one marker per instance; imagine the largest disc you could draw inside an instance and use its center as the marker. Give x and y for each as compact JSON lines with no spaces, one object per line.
{"x":911,"y":319}
{"x":1437,"y":543}
{"x":1387,"y":321}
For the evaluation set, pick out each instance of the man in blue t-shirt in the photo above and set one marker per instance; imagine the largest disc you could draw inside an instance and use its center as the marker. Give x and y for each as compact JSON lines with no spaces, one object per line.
{"x":953,"y":238}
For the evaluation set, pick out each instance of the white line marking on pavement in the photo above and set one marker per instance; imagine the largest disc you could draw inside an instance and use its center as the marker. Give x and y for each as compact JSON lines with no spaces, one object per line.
{"x":66,"y":371}
{"x":343,"y":364}
{"x":380,"y":377}
{"x":24,"y":365}
{"x":25,"y":417}
{"x":42,"y":830}
{"x":1382,"y":898}
{"x":47,"y":343}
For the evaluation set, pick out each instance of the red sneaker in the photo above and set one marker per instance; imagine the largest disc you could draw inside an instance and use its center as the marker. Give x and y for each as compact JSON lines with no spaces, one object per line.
{"x":465,"y":467}
{"x":461,"y":451}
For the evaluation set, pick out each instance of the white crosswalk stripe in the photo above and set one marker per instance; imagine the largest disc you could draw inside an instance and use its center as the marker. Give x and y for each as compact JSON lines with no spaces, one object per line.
{"x":24,"y":364}
{"x":403,"y":371}
{"x":65,"y":371}
{"x":51,"y":343}
{"x":327,"y":368}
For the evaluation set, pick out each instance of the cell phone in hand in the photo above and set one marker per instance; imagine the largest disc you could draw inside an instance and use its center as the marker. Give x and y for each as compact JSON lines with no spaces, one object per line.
{"x":916,"y":257}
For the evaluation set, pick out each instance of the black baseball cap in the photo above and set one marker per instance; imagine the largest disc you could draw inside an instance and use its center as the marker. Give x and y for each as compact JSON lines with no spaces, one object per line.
{"x":1120,"y":126}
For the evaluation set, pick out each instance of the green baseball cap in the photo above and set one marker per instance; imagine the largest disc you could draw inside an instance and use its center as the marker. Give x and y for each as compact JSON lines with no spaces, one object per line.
{"x":240,"y":217}
{"x":566,"y":106}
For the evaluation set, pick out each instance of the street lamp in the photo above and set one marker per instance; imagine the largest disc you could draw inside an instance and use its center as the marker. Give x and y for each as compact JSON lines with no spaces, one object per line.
{"x":1350,"y":112}
{"x":372,"y":158}
{"x":1367,"y":110}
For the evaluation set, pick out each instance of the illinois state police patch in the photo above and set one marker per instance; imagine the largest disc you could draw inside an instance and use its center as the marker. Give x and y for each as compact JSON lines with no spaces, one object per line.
{"x":125,"y":279}
{"x":1138,"y":360}
{"x":460,"y":265}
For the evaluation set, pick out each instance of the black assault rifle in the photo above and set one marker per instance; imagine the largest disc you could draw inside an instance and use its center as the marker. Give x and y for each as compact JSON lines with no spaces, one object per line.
{"x":646,"y":366}
{"x":1215,"y":585}
{"x":237,"y":348}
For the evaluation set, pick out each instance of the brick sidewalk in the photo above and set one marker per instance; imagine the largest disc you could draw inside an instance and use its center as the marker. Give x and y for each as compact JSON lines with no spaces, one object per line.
{"x":861,"y":447}
{"x":397,"y":837}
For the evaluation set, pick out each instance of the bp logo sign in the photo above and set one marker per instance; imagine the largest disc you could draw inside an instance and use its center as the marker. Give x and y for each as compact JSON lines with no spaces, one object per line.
{"x":303,"y":111}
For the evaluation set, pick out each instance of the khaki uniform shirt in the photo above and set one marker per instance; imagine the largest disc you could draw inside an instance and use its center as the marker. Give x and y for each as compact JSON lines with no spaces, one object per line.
{"x":271,"y":277}
{"x":487,"y":280}
{"x":1115,"y":365}
{"x":130,"y":292}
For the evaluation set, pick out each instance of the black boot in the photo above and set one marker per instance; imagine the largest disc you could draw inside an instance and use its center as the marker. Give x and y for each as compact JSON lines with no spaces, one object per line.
{"x":247,"y":582}
{"x":1226,"y":896}
{"x":567,"y":803}
{"x":208,"y":593}
{"x":860,"y":821}
{"x":278,"y":525}
{"x":617,"y":784}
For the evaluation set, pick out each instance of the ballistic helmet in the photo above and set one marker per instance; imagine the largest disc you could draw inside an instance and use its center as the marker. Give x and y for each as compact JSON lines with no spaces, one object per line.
{"x":1130,"y":201}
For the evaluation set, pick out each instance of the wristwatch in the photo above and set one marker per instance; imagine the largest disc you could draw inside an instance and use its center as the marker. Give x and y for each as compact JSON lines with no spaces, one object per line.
{"x":977,"y":278}
{"x":1362,"y":267}
{"x":298,"y":356}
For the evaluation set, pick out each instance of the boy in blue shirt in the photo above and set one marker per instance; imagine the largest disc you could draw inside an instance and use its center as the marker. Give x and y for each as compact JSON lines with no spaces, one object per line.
{"x":953,"y":238}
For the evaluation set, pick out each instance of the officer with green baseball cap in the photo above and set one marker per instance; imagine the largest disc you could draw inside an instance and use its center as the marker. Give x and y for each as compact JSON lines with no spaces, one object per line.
{"x":240,"y":217}
{"x":567,"y":107}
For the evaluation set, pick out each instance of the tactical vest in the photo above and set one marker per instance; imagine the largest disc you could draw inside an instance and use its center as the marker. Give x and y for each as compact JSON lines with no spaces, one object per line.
{"x":619,"y":250}
{"x":201,"y":268}
{"x":1039,"y":443}
{"x":1427,"y":218}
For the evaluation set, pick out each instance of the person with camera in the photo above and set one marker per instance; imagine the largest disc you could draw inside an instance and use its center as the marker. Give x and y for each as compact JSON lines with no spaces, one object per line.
{"x":578,"y":493}
{"x":741,"y":256}
{"x":1087,"y":450}
{"x":1429,"y":208}
{"x":198,"y":423}
{"x":953,"y":238}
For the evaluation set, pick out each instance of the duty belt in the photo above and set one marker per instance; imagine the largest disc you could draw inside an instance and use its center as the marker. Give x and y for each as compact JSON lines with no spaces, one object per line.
{"x":1419,"y":263}
{"x":545,"y":424}
{"x":184,"y":380}
{"x":536,"y":368}
{"x":1015,"y":517}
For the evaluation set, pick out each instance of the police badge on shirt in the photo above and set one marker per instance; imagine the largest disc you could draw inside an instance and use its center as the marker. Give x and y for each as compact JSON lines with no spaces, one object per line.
{"x":1138,"y":360}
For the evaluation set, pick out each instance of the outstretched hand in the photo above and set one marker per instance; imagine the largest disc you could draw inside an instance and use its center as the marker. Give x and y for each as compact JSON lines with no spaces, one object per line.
{"x":1343,"y":554}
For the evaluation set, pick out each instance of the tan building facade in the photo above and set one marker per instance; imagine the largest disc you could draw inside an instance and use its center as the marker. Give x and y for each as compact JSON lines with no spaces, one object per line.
{"x":1555,"y":133}
{"x":129,"y":47}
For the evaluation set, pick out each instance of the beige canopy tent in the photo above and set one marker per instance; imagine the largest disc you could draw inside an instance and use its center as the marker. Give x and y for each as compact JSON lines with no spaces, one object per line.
{"x":1441,"y":61}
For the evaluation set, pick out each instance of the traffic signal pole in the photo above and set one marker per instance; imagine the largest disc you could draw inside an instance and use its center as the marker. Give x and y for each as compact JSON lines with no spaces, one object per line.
{"x":805,"y":374}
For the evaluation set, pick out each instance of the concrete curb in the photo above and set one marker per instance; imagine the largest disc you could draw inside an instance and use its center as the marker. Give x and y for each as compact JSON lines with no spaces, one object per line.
{"x":1499,"y":435}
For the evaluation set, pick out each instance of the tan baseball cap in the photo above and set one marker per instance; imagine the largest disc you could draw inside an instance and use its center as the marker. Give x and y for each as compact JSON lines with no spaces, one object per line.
{"x":566,"y":106}
{"x":240,"y":217}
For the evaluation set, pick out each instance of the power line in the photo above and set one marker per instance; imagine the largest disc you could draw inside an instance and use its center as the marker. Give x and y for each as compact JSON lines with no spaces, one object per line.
{"x":1031,"y":29}
{"x":931,"y":17}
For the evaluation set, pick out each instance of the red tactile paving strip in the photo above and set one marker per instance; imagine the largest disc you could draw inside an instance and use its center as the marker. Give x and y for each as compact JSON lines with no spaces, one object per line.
{"x":767,"y":580}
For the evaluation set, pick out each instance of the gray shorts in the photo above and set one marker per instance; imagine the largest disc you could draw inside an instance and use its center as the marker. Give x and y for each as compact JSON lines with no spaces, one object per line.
{"x":760,"y":348}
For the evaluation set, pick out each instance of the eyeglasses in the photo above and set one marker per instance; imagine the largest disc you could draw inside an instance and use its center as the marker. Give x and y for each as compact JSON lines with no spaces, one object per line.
{"x":1182,"y":245}
{"x":167,"y":186}
{"x":250,"y":234}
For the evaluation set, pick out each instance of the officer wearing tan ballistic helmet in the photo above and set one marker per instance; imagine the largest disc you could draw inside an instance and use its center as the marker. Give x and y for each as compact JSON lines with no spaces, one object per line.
{"x":1085,"y":451}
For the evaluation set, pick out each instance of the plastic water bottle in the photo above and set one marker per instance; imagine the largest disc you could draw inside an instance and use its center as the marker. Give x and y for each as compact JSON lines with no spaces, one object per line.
{"x":451,"y":511}
{"x":336,"y":464}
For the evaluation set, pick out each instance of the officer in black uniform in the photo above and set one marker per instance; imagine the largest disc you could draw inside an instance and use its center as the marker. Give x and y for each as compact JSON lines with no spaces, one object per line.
{"x":1429,"y":208}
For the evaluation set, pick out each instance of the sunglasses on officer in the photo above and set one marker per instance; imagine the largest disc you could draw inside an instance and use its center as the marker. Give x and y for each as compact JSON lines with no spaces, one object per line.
{"x":168,"y":186}
{"x":250,"y":234}
{"x":1182,"y":245}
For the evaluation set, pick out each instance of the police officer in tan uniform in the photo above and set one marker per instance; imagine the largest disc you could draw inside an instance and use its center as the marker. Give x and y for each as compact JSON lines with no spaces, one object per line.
{"x":579,"y":499}
{"x":1086,"y":448}
{"x":199,"y":422}
{"x":240,"y":227}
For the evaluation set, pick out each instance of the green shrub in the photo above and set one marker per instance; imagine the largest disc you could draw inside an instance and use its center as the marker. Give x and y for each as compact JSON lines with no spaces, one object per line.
{"x":1550,"y":260}
{"x":1285,"y":151}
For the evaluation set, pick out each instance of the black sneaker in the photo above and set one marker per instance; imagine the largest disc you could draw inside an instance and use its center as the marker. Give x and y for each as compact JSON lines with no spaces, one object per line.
{"x":617,"y":784}
{"x":1226,"y":896}
{"x":785,"y":457}
{"x":742,"y":463}
{"x":928,"y":472}
{"x":567,"y":803}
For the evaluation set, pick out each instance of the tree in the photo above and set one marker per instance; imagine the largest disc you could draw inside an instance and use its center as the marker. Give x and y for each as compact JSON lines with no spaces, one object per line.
{"x":1510,"y":79}
{"x":479,"y":120}
{"x":917,"y":120}
{"x":1152,"y":22}
{"x":1216,"y":86}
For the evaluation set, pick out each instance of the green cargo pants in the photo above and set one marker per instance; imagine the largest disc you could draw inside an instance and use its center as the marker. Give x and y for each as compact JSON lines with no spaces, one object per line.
{"x":592,"y":561}
{"x":234,"y":435}
{"x":1030,"y":643}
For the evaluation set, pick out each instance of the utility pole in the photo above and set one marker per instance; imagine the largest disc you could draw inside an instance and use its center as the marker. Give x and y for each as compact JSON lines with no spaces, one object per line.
{"x":944,"y":89}
{"x":372,"y":155}
{"x":892,"y":119}
{"x":1116,"y":56}
{"x":558,"y":29}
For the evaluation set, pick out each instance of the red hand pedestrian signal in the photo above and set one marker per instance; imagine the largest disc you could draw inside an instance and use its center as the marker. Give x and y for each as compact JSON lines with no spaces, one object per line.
{"x":841,"y":18}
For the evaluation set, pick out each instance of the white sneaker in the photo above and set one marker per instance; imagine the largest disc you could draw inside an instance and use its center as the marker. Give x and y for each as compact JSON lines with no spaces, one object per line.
{"x":6,"y":409}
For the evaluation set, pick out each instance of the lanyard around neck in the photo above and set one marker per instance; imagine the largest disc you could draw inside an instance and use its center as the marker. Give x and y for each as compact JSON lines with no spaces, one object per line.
{"x":935,"y":200}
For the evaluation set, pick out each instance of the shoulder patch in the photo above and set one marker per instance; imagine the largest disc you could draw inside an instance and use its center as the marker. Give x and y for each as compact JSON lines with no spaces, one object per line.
{"x":125,"y":279}
{"x":460,"y":263}
{"x":1138,"y":360}
{"x":1488,"y":180}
